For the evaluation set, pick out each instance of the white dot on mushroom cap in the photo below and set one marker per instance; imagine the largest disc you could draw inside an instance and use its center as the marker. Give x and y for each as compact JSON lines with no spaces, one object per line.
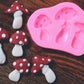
{"x":27,"y":70}
{"x":21,"y":70}
{"x":0,"y":28}
{"x":17,"y":7}
{"x":24,"y":60}
{"x":17,"y":32}
{"x":49,"y":60}
{"x":25,"y":40}
{"x":28,"y":64}
{"x":11,"y":5}
{"x":21,"y":64}
{"x":23,"y":33}
{"x":34,"y":64}
{"x":21,"y":5}
{"x":35,"y":57}
{"x":41,"y":65}
{"x":20,"y":42}
{"x":14,"y":63}
{"x":16,"y":1}
{"x":34,"y":71}
{"x":26,"y":10}
{"x":9,"y":10}
{"x":11,"y":40}
{"x":3,"y":35}
{"x":17,"y":37}
{"x":43,"y":59}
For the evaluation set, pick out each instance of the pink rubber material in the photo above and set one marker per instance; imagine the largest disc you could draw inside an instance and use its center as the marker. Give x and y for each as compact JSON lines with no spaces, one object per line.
{"x":60,"y":27}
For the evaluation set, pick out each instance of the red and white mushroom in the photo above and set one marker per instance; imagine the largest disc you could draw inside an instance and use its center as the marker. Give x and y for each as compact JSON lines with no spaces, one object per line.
{"x":21,"y":66}
{"x":40,"y":63}
{"x":18,"y":10}
{"x":3,"y":35}
{"x":19,"y":38}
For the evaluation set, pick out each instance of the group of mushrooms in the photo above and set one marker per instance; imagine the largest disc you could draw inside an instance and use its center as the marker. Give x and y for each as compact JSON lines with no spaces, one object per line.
{"x":39,"y":63}
{"x":19,"y":38}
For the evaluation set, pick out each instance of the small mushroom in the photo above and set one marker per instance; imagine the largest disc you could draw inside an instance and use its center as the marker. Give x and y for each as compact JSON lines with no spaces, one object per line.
{"x":3,"y":35}
{"x":18,"y":10}
{"x":19,"y":38}
{"x":40,"y":63}
{"x":21,"y":66}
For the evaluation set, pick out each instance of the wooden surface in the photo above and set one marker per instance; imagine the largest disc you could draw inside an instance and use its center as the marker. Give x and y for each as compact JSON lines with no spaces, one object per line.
{"x":68,"y":68}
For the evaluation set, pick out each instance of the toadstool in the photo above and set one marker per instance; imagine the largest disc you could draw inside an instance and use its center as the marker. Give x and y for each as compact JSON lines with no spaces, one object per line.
{"x":21,"y":66}
{"x":3,"y":35}
{"x":18,"y":10}
{"x":19,"y":38}
{"x":40,"y":63}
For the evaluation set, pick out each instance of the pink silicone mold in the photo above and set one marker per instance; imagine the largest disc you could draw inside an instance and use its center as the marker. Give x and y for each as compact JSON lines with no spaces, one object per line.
{"x":60,"y":27}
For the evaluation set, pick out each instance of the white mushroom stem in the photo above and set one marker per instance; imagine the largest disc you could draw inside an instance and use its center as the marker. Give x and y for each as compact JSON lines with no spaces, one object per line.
{"x":17,"y":51}
{"x":2,"y":55}
{"x":49,"y":74}
{"x":14,"y":76}
{"x":17,"y":22}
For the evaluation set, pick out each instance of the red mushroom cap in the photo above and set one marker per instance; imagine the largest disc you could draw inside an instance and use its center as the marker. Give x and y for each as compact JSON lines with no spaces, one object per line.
{"x":39,"y":62}
{"x":22,"y":65}
{"x":3,"y":34}
{"x":19,"y":37}
{"x":16,"y":7}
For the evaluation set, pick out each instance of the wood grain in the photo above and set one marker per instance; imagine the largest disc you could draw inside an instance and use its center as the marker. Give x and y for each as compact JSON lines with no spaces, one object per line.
{"x":68,"y":68}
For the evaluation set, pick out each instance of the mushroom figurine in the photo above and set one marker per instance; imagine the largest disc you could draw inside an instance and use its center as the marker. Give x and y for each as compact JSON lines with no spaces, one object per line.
{"x":18,"y":10}
{"x":3,"y":35}
{"x":19,"y":38}
{"x":21,"y":66}
{"x":40,"y":63}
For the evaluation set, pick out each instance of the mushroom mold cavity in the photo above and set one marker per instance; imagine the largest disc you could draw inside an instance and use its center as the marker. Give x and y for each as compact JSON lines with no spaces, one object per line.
{"x":59,"y":27}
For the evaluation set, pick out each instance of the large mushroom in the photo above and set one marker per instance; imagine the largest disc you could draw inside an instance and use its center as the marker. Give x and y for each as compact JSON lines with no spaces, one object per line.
{"x":40,"y":63}
{"x":18,"y":10}
{"x":3,"y":35}
{"x":21,"y":66}
{"x":19,"y":38}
